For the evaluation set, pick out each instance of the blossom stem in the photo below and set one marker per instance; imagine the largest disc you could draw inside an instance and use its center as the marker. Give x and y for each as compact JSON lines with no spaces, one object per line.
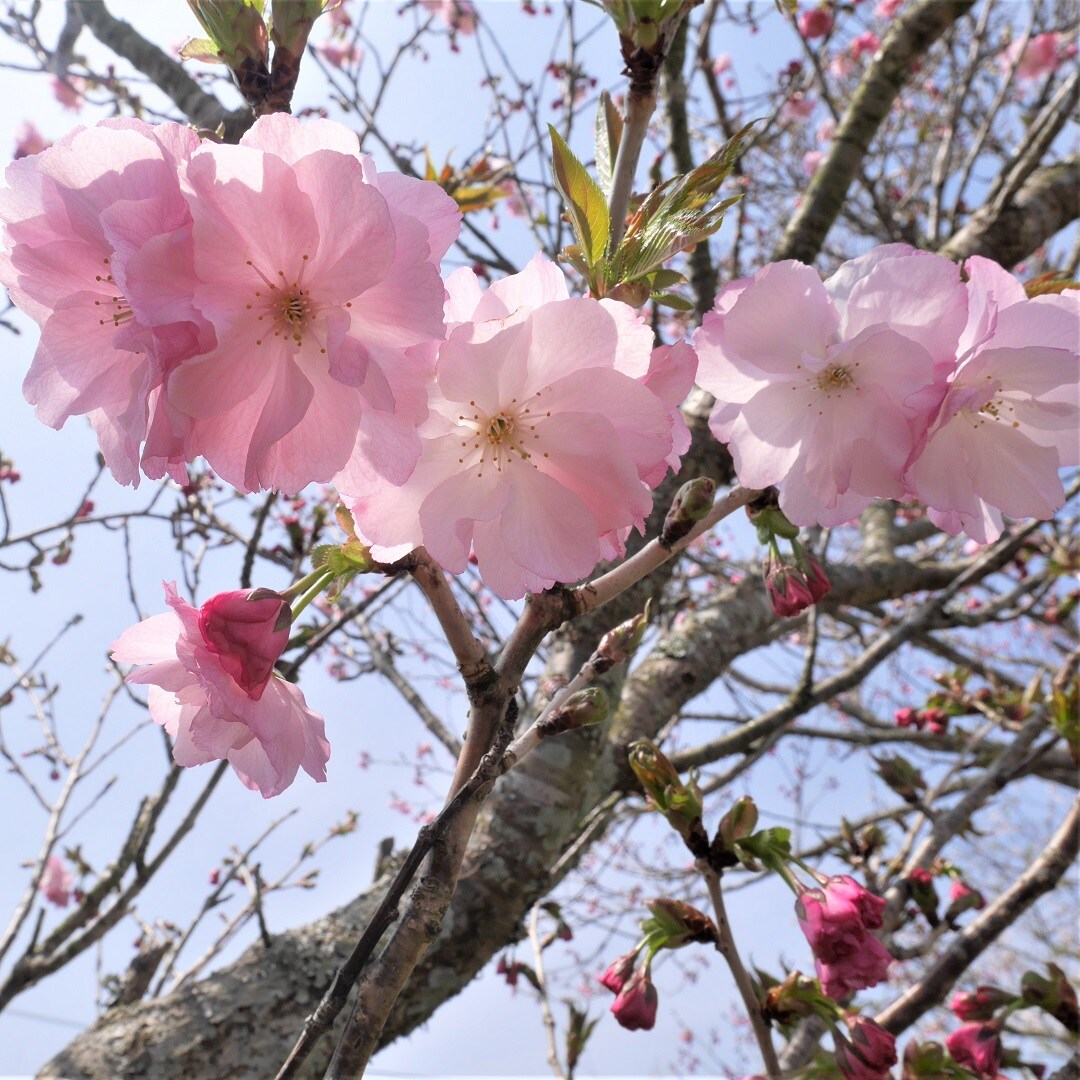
{"x":320,"y":579}
{"x":299,"y":588}
{"x":604,"y":588}
{"x":727,"y":949}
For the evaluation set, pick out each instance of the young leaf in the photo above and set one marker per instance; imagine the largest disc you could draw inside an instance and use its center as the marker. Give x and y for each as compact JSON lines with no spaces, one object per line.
{"x":584,"y":200}
{"x":609,"y":127}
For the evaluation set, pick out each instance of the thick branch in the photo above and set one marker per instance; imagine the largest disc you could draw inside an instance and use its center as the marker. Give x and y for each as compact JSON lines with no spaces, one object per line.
{"x":1048,"y":202}
{"x":911,"y":36}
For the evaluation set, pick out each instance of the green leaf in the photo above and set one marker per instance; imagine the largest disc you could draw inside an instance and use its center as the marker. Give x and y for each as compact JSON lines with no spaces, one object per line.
{"x":672,"y":300}
{"x":675,"y":215}
{"x":609,"y":128}
{"x":584,"y":200}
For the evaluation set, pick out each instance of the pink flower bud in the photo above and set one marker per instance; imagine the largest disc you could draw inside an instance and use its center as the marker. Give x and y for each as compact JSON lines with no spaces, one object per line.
{"x":906,"y":718}
{"x":56,"y":882}
{"x":815,"y":23}
{"x":979,"y":1004}
{"x":617,"y":975}
{"x":977,"y":1047}
{"x":635,"y":1007}
{"x":872,"y":1049}
{"x":247,"y":630}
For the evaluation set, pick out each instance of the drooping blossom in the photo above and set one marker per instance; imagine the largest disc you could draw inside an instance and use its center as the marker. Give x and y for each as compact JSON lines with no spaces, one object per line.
{"x":247,"y":631}
{"x":316,"y":273}
{"x":837,"y":921}
{"x":822,"y":388}
{"x":619,"y":971}
{"x":977,"y":1047}
{"x":1008,"y":421}
{"x":85,"y":220}
{"x":264,"y":729}
{"x":869,"y":1055}
{"x":543,"y":436}
{"x":637,"y":1001}
{"x":57,"y":881}
{"x":815,"y":23}
{"x":1033,"y":59}
{"x":791,"y":588}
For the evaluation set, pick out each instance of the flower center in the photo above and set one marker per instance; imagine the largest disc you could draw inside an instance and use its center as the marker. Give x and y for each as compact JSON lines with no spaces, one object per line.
{"x":285,"y":305}
{"x":835,"y":377}
{"x":121,"y":310}
{"x":502,"y":438}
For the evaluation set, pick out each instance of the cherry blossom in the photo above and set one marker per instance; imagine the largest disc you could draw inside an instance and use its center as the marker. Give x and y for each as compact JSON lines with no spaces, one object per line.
{"x":977,"y":1047}
{"x":826,"y":401}
{"x":542,"y":438}
{"x":837,"y":921}
{"x":815,"y":23}
{"x":870,"y":1054}
{"x":28,"y":140}
{"x":459,"y":15}
{"x":637,"y":1001}
{"x":1008,"y":420}
{"x":309,"y":365}
{"x":247,"y":630}
{"x":86,"y":219}
{"x":1034,"y":58}
{"x":266,"y":732}
{"x":57,"y":881}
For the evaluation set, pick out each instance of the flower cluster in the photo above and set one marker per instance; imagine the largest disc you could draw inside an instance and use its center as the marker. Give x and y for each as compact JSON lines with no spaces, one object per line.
{"x":837,"y":920}
{"x":214,"y":690}
{"x":197,"y":299}
{"x":901,"y":376}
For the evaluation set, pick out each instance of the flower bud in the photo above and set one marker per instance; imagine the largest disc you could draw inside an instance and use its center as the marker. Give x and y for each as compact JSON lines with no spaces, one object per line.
{"x":636,"y":1005}
{"x":691,"y":504}
{"x":248,"y":631}
{"x":872,"y":1049}
{"x":679,"y":802}
{"x":674,"y":924}
{"x":236,"y":30}
{"x":581,"y":709}
{"x":980,"y":1003}
{"x":977,"y":1047}
{"x":620,"y":643}
{"x":1052,"y":994}
{"x":963,"y":898}
{"x":618,"y":974}
{"x":739,"y":822}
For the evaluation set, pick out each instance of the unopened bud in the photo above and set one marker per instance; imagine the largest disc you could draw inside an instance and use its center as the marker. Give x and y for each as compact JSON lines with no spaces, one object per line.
{"x":581,"y":709}
{"x":620,"y":643}
{"x":679,"y":802}
{"x":739,"y":822}
{"x":292,"y":23}
{"x":1052,"y":994}
{"x":691,"y":504}
{"x":236,"y":30}
{"x":674,"y":924}
{"x":798,"y":996}
{"x":979,"y":1004}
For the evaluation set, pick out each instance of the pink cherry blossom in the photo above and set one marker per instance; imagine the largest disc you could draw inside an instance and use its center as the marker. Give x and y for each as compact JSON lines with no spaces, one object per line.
{"x":80,"y":217}
{"x":1008,"y":420}
{"x":887,"y":9}
{"x":309,"y":366}
{"x":266,"y":733}
{"x":339,"y":54}
{"x":1033,"y":59}
{"x":797,"y":107}
{"x":811,"y":161}
{"x":867,"y":42}
{"x":980,"y":1003}
{"x":815,"y":23}
{"x":977,"y":1047}
{"x":837,"y":921}
{"x":459,"y":15}
{"x":619,"y":971}
{"x":636,"y":1004}
{"x":870,"y":1054}
{"x":721,"y":63}
{"x":822,"y":387}
{"x":247,"y":630}
{"x":543,"y":435}
{"x":57,"y":881}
